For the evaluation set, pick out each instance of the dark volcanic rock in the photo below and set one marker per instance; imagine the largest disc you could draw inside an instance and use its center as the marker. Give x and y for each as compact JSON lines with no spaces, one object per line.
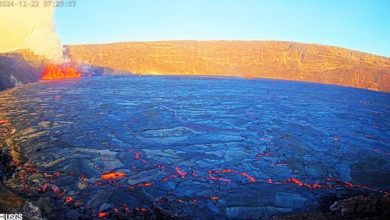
{"x":15,"y":70}
{"x":362,"y":206}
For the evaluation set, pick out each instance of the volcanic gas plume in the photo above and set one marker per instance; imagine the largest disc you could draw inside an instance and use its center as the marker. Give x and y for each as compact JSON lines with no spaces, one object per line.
{"x":30,"y":28}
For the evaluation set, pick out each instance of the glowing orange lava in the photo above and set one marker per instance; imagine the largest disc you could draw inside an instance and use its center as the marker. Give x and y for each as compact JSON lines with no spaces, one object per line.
{"x":102,"y":214}
{"x":53,"y":71}
{"x":301,"y":184}
{"x":69,"y":199}
{"x":249,"y":177}
{"x":244,"y":174}
{"x":296,"y":181}
{"x":112,"y":176}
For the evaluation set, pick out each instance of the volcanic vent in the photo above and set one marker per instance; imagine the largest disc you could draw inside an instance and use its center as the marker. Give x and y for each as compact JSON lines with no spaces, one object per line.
{"x":57,"y":71}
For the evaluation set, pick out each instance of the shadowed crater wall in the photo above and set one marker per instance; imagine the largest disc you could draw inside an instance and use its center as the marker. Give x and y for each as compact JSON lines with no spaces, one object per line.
{"x":19,"y":68}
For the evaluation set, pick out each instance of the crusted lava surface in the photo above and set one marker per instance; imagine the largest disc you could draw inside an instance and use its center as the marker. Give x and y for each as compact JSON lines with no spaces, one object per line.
{"x":186,"y":148}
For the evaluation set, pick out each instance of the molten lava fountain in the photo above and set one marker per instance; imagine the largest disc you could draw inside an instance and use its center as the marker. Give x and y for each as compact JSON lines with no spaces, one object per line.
{"x":64,"y":71}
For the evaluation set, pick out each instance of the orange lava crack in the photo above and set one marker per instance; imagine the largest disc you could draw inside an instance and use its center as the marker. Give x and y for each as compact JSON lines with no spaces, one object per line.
{"x":244,"y":174}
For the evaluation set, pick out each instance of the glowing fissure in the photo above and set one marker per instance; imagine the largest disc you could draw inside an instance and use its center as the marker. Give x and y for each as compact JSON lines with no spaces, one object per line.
{"x":144,"y":184}
{"x":165,"y":179}
{"x":301,"y":184}
{"x":244,"y":174}
{"x":351,"y":185}
{"x":138,"y":157}
{"x":66,"y":71}
{"x":112,"y":176}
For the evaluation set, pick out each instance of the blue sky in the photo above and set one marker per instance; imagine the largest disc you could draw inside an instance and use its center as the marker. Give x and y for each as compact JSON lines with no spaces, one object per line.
{"x":356,"y":24}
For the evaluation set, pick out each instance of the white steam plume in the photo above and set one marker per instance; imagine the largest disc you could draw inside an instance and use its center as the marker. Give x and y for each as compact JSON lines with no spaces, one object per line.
{"x":30,"y":28}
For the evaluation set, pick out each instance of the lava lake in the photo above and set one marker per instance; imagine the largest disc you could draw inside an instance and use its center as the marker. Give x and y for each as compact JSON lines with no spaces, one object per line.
{"x":192,"y":147}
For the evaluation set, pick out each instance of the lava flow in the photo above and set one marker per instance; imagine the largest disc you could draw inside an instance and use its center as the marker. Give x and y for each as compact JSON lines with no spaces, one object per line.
{"x":112,"y":176}
{"x":65,"y":71}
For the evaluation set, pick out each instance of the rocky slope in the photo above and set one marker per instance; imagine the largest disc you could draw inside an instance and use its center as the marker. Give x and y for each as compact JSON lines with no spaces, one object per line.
{"x":19,"y":68}
{"x":252,"y":59}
